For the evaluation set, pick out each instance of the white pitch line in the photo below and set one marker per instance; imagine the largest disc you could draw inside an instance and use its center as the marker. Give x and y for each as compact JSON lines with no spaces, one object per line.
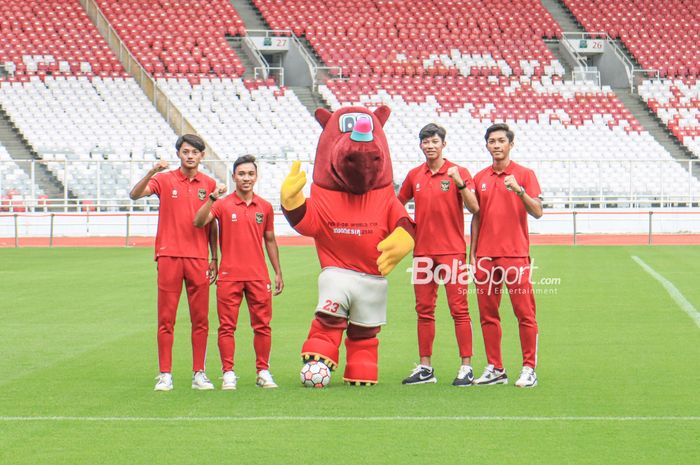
{"x":336,"y":419}
{"x":672,"y":290}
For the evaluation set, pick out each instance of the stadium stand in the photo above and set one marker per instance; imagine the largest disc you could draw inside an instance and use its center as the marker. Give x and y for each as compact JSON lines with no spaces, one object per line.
{"x":664,"y":38}
{"x":677,"y":103}
{"x":178,"y":39}
{"x":404,"y":38}
{"x":454,"y":63}
{"x":240,"y":116}
{"x":16,"y":190}
{"x":52,"y":37}
{"x":449,"y":62}
{"x":88,"y":120}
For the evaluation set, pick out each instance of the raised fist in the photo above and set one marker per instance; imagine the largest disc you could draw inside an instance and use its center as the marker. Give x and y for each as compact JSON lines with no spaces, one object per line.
{"x":453,"y":172}
{"x":220,"y":190}
{"x":511,"y":183}
{"x":160,"y":165}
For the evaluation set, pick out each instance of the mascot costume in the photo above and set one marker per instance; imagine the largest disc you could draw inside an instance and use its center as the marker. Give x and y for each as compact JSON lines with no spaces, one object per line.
{"x":361,"y":232}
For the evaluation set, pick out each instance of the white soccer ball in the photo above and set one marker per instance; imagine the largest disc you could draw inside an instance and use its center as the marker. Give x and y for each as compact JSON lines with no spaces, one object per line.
{"x":315,"y":374}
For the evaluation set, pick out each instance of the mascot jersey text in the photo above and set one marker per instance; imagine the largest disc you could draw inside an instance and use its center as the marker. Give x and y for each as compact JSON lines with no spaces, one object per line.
{"x":361,"y":232}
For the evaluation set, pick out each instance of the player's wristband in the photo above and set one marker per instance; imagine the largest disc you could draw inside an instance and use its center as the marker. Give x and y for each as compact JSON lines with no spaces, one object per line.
{"x":213,"y":198}
{"x":462,"y":187}
{"x":522,"y":191}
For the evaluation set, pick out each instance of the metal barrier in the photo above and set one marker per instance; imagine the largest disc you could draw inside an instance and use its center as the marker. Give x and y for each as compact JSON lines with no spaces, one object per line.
{"x":124,"y":228}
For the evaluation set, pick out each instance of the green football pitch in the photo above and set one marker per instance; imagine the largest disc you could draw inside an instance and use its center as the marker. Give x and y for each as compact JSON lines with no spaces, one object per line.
{"x":619,"y":370}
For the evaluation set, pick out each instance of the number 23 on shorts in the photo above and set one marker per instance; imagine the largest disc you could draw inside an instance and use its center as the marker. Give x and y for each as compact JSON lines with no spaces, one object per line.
{"x":331,"y":306}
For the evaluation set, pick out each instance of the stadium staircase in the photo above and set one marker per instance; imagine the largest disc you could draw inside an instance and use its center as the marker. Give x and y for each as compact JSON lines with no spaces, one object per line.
{"x":568,"y":23}
{"x":562,"y":16}
{"x":237,"y":46}
{"x":20,"y":150}
{"x":311,"y":100}
{"x":250,"y":15}
{"x":254,"y":20}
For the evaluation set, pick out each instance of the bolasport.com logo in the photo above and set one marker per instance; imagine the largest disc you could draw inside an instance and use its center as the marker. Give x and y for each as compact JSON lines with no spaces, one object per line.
{"x":488,"y":277}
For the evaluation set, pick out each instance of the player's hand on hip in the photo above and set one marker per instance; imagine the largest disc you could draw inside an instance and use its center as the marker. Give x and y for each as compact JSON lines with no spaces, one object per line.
{"x":511,"y":183}
{"x":396,"y":246}
{"x":453,"y":173}
{"x":160,"y":165}
{"x":291,"y":195}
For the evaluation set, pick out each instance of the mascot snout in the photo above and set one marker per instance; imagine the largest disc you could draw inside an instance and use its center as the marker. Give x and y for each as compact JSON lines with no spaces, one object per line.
{"x":357,"y":165}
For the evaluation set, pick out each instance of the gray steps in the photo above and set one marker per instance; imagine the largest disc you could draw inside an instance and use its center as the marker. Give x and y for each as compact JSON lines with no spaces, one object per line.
{"x":236,"y":44}
{"x":311,"y":100}
{"x":253,"y":20}
{"x":562,"y":16}
{"x":249,"y":14}
{"x":19,"y":149}
{"x":554,"y":47}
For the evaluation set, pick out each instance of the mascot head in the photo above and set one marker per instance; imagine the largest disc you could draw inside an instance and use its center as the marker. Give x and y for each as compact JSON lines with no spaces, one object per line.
{"x":352,"y":153}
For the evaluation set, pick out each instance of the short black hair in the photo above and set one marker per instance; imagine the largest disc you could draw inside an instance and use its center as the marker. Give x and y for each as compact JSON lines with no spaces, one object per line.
{"x":431,"y":130}
{"x":499,"y":127}
{"x":192,"y":139}
{"x":245,"y":159}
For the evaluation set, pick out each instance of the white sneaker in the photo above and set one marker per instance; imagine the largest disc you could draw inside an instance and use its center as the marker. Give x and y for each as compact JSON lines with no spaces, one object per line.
{"x":492,"y":376}
{"x":528,"y":378}
{"x":165,"y":382}
{"x":201,"y":382}
{"x":265,"y":380}
{"x":229,"y":383}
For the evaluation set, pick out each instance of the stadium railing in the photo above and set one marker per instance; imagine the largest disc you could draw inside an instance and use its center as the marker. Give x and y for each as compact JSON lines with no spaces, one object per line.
{"x":110,"y":194}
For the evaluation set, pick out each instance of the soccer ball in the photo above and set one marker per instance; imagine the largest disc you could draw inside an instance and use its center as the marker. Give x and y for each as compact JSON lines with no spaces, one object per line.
{"x":315,"y":374}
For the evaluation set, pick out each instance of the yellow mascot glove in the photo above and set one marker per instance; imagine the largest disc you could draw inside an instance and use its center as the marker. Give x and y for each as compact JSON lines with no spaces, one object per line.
{"x":291,"y":195}
{"x":396,"y":246}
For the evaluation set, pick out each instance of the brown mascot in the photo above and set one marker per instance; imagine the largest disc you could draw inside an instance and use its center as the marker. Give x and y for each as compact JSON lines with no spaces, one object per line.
{"x":361,"y":233}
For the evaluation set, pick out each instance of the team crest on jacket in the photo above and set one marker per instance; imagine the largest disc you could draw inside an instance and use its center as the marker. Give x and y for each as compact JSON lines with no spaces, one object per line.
{"x":202,"y":194}
{"x":258,"y":218}
{"x":445,"y":186}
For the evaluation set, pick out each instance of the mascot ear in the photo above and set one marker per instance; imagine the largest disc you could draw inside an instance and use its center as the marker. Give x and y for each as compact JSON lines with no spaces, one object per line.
{"x":382,"y":113}
{"x":322,"y":116}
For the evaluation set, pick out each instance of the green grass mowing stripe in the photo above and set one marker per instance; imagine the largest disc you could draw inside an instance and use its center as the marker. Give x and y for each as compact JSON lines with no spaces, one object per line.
{"x":672,"y":290}
{"x":358,"y":418}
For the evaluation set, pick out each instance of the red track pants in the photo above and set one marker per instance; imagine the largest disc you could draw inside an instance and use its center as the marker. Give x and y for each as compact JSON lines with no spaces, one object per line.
{"x":490,"y":275}
{"x":172,"y":271}
{"x":229,"y":295}
{"x":426,"y":295}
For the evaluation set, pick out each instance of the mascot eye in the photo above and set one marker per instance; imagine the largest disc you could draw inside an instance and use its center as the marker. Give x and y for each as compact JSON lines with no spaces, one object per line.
{"x":348,"y":120}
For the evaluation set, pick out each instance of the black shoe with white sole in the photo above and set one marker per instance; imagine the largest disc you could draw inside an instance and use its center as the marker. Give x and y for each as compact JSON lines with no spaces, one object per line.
{"x":421,"y":374}
{"x":465,"y":377}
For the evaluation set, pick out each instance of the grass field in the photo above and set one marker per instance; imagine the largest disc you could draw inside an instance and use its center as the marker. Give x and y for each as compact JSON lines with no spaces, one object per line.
{"x":619,"y":370}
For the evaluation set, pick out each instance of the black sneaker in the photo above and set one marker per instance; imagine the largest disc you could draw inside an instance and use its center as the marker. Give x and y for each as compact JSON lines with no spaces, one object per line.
{"x":465,"y":377}
{"x":421,"y":374}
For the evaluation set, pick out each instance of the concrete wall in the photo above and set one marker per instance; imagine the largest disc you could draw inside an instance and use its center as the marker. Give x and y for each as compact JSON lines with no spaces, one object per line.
{"x":612,"y":70}
{"x":593,"y":221}
{"x":296,"y":70}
